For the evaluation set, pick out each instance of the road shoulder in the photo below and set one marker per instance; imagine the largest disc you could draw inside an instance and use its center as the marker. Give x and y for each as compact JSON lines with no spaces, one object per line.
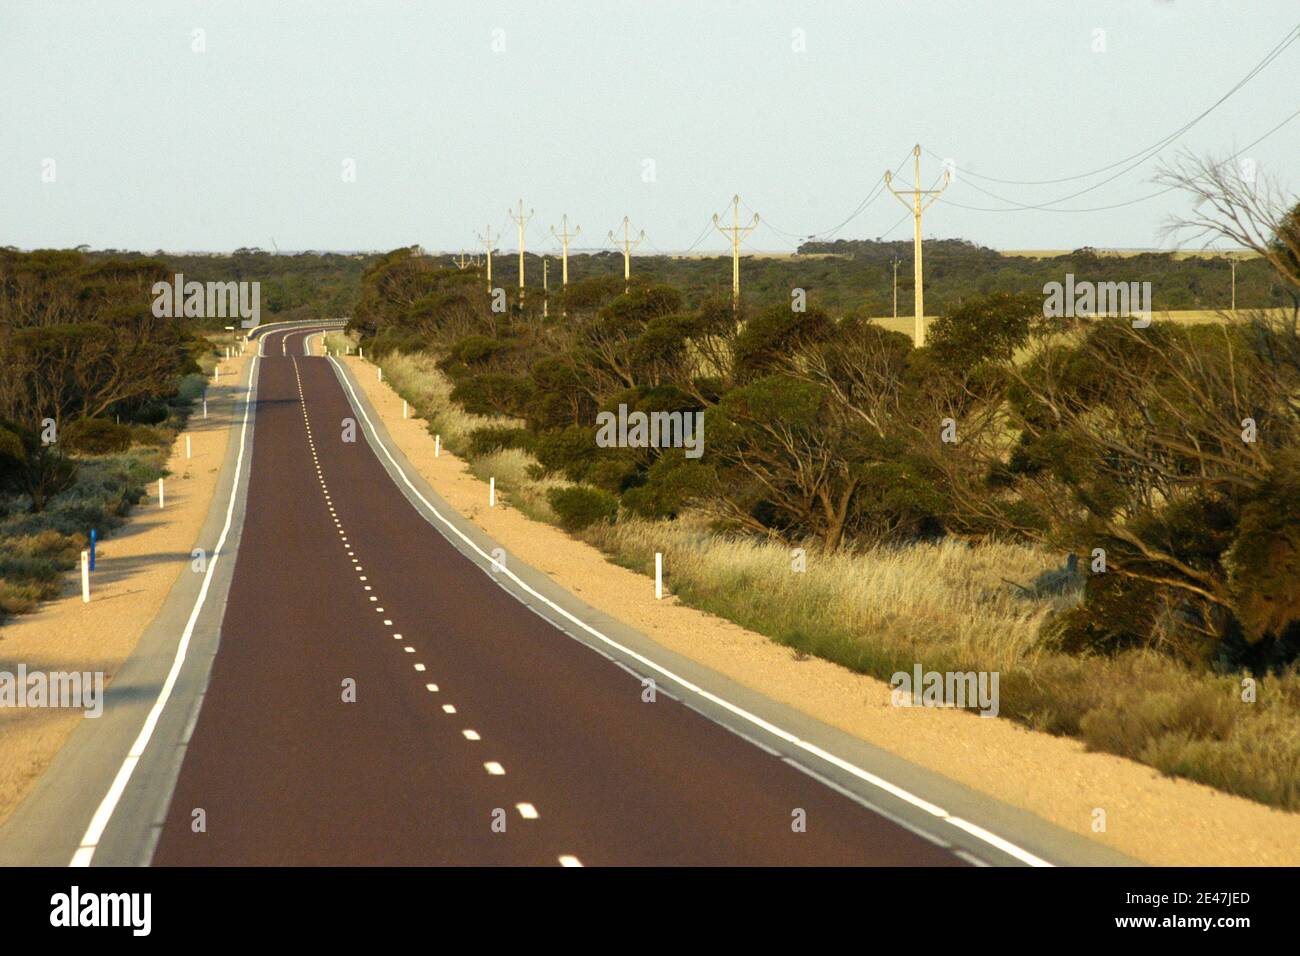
{"x":141,"y":597}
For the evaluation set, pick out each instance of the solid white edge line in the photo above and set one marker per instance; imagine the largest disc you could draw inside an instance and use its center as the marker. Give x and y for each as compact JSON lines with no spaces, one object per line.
{"x":104,"y":813}
{"x":866,"y":776}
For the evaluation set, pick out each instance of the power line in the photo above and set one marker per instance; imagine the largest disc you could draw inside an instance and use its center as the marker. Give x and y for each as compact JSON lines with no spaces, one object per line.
{"x":1291,"y":36}
{"x":1019,"y":207}
{"x":861,"y":207}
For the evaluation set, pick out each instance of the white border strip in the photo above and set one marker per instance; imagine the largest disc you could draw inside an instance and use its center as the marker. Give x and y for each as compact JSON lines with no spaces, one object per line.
{"x":866,"y":776}
{"x":95,"y":831}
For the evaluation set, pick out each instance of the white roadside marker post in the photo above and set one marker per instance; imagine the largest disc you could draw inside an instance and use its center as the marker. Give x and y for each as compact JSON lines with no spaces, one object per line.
{"x":161,"y":499}
{"x":437,"y":445}
{"x":659,"y":575}
{"x":379,"y":374}
{"x":205,"y":406}
{"x":188,"y":450}
{"x":85,"y":577}
{"x":403,"y":408}
{"x":492,"y":492}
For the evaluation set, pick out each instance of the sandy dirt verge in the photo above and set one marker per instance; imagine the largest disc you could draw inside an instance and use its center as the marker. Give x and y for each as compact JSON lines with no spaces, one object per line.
{"x":1152,"y":818}
{"x":135,"y":569}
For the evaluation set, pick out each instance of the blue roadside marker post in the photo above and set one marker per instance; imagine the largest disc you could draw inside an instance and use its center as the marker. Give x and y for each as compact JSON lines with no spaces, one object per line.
{"x":92,"y":548}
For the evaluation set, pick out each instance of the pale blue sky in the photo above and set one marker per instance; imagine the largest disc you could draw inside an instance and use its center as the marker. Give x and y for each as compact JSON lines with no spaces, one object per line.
{"x":157,"y":146}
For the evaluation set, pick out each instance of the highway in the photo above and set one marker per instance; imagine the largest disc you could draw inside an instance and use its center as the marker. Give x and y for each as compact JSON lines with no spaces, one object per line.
{"x":479,"y":733}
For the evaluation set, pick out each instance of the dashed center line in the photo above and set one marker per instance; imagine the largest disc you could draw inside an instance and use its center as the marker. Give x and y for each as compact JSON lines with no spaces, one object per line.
{"x":526,"y":810}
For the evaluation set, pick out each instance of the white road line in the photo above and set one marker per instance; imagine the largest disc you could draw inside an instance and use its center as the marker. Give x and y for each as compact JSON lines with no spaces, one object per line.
{"x":494,"y":769}
{"x":812,"y":749}
{"x":470,"y":734}
{"x":570,"y":861}
{"x":527,"y":811}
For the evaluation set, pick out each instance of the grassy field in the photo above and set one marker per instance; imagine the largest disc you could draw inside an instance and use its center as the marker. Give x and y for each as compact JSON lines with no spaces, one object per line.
{"x":949,"y":606}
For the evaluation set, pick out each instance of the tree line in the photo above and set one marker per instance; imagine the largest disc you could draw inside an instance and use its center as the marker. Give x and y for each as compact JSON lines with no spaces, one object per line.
{"x":82,"y":358}
{"x":1164,"y":461}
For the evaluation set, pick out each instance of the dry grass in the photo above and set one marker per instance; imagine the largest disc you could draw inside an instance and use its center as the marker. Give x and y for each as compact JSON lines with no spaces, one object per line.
{"x":510,"y":467}
{"x":947,"y":607}
{"x":939,"y":604}
{"x":418,"y":379}
{"x":340,"y":342}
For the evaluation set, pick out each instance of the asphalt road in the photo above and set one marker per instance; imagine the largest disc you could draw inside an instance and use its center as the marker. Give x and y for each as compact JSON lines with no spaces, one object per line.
{"x":479,"y":733}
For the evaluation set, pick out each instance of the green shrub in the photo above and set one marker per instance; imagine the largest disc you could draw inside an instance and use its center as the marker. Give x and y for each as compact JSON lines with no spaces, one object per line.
{"x":570,"y":451}
{"x":579,"y":507}
{"x":96,"y":436}
{"x":492,"y":393}
{"x":484,"y":441}
{"x":672,"y":482}
{"x":149,"y":435}
{"x":478,"y":349}
{"x":52,"y":545}
{"x":150,"y":414}
{"x":395,"y":340}
{"x":20,"y":598}
{"x":29,"y":570}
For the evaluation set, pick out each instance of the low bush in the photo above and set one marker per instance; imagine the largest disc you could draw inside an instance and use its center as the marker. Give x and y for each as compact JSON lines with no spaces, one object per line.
{"x":151,"y":436}
{"x":579,"y":507}
{"x":483,"y":441}
{"x":97,"y":436}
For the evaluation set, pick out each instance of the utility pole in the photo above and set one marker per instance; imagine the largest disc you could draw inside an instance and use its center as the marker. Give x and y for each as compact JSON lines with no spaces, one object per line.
{"x":521,"y":220}
{"x":628,"y":246}
{"x":564,"y":236}
{"x":916,"y":192}
{"x":487,"y":243}
{"x":735,"y":232}
{"x":546,"y":297}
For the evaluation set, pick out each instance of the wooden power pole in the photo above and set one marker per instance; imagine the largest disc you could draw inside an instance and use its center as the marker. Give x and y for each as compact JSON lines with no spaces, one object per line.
{"x":486,"y":239}
{"x":735,"y":232}
{"x":564,"y":236}
{"x":521,"y":220}
{"x":914,"y":203}
{"x":628,"y":246}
